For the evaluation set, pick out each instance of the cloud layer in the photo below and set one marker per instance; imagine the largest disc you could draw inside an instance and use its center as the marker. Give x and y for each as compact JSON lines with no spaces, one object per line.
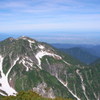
{"x":50,"y":16}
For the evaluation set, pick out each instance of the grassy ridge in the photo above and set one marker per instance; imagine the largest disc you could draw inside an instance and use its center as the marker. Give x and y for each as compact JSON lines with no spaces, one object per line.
{"x":29,"y":95}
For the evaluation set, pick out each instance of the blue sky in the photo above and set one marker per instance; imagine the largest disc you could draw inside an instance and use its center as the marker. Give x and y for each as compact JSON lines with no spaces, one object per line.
{"x":61,"y":21}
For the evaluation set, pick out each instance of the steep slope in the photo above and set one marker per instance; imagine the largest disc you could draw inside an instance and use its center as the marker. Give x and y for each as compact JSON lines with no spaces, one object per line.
{"x":95,"y":50}
{"x":26,"y":64}
{"x":81,"y":54}
{"x":30,"y":95}
{"x":96,"y":62}
{"x":20,"y":63}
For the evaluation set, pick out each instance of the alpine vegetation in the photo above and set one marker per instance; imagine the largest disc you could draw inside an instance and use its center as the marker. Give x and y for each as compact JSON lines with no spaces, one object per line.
{"x":26,"y":64}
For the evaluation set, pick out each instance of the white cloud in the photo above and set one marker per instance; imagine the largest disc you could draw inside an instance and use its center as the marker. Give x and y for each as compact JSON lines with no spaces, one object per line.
{"x":48,"y":15}
{"x":74,"y":26}
{"x":12,"y":4}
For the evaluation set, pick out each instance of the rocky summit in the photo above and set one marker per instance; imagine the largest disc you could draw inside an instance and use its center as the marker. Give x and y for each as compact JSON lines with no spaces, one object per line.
{"x":26,"y":64}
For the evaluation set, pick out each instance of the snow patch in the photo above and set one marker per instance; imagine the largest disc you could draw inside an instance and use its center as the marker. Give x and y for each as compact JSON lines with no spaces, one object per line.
{"x":27,"y":62}
{"x":65,"y":84}
{"x":66,"y":62}
{"x":97,"y":97}
{"x":29,"y":40}
{"x":24,"y":63}
{"x":4,"y":79}
{"x":83,"y":86}
{"x":11,"y":67}
{"x":41,"y":46}
{"x":40,"y":54}
{"x":47,"y":61}
{"x":10,"y":79}
{"x":30,"y":43}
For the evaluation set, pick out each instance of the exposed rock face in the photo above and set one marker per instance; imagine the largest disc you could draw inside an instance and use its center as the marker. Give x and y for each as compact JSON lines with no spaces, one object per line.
{"x":26,"y":64}
{"x":43,"y":90}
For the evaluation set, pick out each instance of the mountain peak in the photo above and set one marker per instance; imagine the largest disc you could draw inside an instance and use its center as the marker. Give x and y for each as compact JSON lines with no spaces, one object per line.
{"x":26,"y":64}
{"x":25,"y":38}
{"x":22,"y":37}
{"x":10,"y":39}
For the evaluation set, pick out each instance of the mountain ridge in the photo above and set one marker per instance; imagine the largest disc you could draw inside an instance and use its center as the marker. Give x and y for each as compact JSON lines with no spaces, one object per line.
{"x":26,"y":64}
{"x":81,"y":54}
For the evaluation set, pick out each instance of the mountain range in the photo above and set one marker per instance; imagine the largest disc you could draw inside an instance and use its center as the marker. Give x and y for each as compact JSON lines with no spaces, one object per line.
{"x":27,"y":64}
{"x":83,"y":52}
{"x":67,"y":46}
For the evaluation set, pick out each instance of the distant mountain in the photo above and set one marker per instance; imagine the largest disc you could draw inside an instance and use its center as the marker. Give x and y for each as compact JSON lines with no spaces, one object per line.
{"x":95,"y":50}
{"x":81,"y":54}
{"x":67,"y":46}
{"x":27,"y":64}
{"x":96,"y":63}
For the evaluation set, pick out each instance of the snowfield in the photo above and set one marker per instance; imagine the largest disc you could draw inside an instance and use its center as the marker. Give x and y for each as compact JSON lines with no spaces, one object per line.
{"x":4,"y":80}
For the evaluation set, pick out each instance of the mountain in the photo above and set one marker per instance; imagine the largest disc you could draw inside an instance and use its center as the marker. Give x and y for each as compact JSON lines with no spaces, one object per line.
{"x":97,"y":62}
{"x":26,"y":64}
{"x":90,"y":48}
{"x":81,"y":54}
{"x":95,"y":50}
{"x":30,"y":95}
{"x":67,"y":46}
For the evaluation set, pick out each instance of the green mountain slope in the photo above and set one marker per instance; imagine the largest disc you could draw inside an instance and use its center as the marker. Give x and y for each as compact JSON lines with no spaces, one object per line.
{"x":30,"y":95}
{"x":26,"y":64}
{"x":81,"y":54}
